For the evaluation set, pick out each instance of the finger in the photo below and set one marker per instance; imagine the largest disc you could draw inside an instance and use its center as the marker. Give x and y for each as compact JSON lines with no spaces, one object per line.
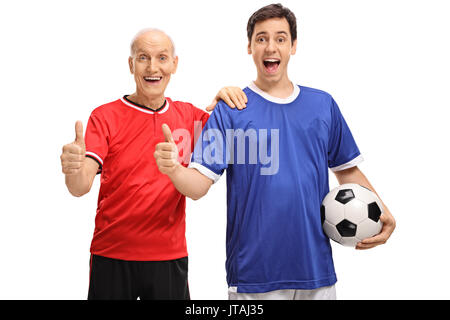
{"x":72,"y":149}
{"x":79,"y":137}
{"x":164,"y":155}
{"x":72,"y":165}
{"x":165,"y":146}
{"x":244,"y":96}
{"x":167,"y":155}
{"x":167,"y":163}
{"x":242,"y":101}
{"x":72,"y":157}
{"x":379,"y":238}
{"x":235,"y":99}
{"x":167,"y":133}
{"x":241,"y":97}
{"x":212,"y":105}
{"x":70,"y":171}
{"x":361,"y":246}
{"x":229,"y":102}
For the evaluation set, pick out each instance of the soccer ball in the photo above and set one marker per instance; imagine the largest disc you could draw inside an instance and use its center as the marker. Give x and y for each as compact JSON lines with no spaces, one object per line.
{"x":351,"y":213}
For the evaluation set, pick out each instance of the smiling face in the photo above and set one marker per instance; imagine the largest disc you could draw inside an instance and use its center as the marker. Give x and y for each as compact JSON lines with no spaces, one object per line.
{"x":152,"y":63}
{"x":271,"y":47}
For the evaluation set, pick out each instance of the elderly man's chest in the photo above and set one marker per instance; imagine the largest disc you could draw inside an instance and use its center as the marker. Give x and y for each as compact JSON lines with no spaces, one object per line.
{"x":135,"y":141}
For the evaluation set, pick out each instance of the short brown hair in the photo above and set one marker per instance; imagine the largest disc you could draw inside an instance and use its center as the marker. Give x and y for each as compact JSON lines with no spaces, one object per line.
{"x":273,"y":11}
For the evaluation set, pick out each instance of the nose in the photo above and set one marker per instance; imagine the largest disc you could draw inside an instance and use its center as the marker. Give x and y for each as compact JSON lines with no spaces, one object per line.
{"x":271,"y":46}
{"x":152,"y":65}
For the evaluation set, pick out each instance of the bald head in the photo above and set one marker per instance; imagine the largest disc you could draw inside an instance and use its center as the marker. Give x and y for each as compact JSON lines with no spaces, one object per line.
{"x":152,"y":36}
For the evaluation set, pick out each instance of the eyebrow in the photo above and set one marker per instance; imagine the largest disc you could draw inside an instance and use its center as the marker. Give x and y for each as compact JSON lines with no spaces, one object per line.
{"x":140,"y":51}
{"x":265,"y":32}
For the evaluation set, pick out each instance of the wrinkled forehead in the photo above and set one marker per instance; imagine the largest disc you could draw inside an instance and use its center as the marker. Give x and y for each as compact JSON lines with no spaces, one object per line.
{"x":152,"y":42}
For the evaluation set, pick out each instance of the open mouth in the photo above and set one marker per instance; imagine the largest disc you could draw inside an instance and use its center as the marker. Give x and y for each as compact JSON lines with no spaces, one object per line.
{"x":152,"y":80}
{"x":271,"y":65}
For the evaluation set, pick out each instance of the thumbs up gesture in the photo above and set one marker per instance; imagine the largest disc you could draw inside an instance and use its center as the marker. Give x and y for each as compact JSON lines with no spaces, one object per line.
{"x":166,"y":153}
{"x":73,"y":155}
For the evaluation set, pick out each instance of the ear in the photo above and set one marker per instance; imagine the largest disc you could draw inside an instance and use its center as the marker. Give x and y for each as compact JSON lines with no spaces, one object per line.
{"x":294,"y":47}
{"x":249,"y":48}
{"x":175,"y":64}
{"x":131,"y":65}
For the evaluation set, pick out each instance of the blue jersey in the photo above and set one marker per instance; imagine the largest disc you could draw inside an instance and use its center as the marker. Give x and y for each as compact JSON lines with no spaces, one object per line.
{"x":277,"y":153}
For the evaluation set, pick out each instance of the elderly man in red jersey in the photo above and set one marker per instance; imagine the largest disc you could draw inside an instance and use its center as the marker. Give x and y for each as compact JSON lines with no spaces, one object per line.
{"x":139,"y":246}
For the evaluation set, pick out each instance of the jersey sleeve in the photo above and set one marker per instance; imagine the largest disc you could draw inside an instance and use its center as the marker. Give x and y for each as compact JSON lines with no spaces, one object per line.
{"x":200,"y":118}
{"x":97,"y":138}
{"x":210,"y":151}
{"x":343,"y":153}
{"x":200,"y":115}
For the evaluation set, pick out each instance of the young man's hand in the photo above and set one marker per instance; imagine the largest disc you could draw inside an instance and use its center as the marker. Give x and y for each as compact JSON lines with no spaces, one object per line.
{"x":354,"y":175}
{"x":388,"y":227}
{"x":233,"y":97}
{"x":166,"y":153}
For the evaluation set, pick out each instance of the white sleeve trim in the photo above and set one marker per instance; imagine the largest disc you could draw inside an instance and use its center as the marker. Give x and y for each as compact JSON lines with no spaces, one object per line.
{"x":205,"y":171}
{"x":349,"y":164}
{"x":96,"y":156}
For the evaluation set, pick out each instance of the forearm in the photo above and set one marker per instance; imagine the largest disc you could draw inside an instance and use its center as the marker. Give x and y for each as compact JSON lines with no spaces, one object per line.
{"x":353,"y":175}
{"x":190,"y":182}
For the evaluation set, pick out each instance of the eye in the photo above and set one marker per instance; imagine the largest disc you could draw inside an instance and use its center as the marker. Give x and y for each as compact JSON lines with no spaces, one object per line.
{"x":163,"y":58}
{"x":260,"y":40}
{"x":142,"y":58}
{"x":281,"y":39}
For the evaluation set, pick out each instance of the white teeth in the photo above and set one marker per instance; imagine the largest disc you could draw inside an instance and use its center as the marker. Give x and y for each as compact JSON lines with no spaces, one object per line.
{"x":271,"y":60}
{"x":153,"y":78}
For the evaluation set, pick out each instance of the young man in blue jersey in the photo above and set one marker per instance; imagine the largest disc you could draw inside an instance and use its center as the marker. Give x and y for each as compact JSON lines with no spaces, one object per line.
{"x":277,"y":152}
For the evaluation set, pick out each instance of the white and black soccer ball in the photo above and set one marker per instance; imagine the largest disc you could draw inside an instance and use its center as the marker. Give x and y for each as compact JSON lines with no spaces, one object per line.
{"x":351,"y":213}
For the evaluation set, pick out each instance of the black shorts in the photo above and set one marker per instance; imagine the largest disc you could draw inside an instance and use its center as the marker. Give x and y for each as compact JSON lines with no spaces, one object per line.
{"x":128,"y":280}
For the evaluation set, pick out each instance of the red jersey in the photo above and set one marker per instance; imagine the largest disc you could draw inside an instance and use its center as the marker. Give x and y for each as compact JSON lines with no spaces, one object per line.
{"x":140,"y":214}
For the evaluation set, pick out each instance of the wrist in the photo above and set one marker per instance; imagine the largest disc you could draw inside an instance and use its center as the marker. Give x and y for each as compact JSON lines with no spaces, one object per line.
{"x":175,"y":172}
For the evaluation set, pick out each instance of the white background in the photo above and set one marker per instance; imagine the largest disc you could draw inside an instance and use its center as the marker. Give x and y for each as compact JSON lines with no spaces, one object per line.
{"x":385,"y":62}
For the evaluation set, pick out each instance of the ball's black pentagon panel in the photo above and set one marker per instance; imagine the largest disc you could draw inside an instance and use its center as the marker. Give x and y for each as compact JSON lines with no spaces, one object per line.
{"x":322,"y":213}
{"x":346,"y":228}
{"x":344,"y":196}
{"x":374,"y":211}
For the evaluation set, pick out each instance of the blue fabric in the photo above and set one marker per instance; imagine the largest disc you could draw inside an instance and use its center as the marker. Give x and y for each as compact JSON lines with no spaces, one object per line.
{"x":274,"y":236}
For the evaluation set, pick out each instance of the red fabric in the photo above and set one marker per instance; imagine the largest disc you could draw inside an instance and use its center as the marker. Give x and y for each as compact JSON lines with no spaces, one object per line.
{"x":140,"y":214}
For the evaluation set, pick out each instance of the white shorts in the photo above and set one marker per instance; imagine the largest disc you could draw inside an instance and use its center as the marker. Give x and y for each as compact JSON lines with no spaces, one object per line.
{"x":323,"y":293}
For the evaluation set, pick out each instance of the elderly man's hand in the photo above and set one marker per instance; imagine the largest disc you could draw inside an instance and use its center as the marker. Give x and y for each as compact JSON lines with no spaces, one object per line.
{"x":166,"y":153}
{"x":73,"y":154}
{"x":233,"y":97}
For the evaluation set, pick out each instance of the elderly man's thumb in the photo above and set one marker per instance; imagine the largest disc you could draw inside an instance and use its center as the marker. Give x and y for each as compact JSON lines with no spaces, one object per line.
{"x":167,"y":133}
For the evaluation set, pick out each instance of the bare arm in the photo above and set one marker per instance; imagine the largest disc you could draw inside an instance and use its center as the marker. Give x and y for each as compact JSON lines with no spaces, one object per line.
{"x":187,"y":181}
{"x":354,"y":175}
{"x":79,"y":170}
{"x":190,"y":182}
